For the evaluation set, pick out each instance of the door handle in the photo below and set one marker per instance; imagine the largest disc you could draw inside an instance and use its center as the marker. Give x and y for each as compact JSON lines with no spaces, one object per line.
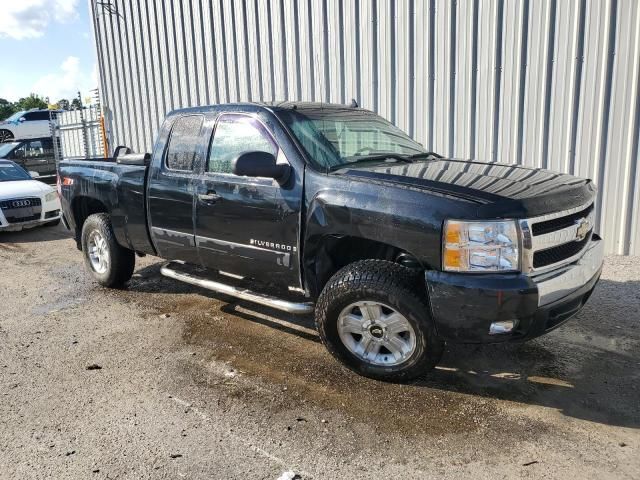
{"x":209,"y":197}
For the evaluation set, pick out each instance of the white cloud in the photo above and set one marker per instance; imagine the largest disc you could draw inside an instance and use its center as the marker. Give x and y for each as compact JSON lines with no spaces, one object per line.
{"x":22,"y":19}
{"x":71,"y":78}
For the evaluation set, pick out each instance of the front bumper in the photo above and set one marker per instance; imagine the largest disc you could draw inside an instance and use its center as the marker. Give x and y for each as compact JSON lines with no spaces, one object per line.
{"x":464,"y":306}
{"x":50,"y":212}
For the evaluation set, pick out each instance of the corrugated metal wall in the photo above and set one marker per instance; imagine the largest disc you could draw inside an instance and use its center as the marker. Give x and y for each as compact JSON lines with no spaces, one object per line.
{"x":544,"y":83}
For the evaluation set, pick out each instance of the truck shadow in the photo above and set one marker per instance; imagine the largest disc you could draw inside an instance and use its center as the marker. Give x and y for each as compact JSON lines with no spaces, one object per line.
{"x":587,"y":369}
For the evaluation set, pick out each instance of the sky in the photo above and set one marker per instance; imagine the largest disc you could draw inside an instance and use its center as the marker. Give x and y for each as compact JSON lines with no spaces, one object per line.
{"x":47,"y":49}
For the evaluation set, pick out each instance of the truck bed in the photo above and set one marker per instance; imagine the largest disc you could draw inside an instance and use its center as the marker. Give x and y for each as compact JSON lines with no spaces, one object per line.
{"x":118,"y":189}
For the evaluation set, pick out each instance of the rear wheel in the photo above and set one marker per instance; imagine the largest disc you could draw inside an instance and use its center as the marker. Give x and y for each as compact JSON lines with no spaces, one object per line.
{"x":5,"y":135}
{"x":374,"y":318}
{"x":111,"y":264}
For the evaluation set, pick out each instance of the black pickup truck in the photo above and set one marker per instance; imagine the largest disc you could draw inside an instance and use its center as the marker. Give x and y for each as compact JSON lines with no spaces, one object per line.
{"x":330,"y":209}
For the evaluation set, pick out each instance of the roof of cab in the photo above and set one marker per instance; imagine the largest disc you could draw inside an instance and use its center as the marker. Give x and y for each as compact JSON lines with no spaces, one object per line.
{"x":273,"y":106}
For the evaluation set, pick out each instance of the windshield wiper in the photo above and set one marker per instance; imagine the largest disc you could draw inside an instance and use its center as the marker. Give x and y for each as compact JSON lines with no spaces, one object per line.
{"x":372,"y":158}
{"x":426,"y":155}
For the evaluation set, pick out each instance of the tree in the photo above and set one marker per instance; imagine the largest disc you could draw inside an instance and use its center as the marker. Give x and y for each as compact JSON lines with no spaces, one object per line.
{"x":6,"y":109}
{"x":63,"y":104}
{"x":76,"y":104}
{"x":32,"y":101}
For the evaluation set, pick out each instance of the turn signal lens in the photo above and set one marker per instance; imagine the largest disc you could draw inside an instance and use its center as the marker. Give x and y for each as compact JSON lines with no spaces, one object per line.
{"x":453,"y":259}
{"x":480,"y":246}
{"x":453,"y":233}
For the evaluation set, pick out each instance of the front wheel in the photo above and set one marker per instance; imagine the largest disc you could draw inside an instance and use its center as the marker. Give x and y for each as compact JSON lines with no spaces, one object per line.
{"x":373,"y":317}
{"x":5,"y":135}
{"x":111,"y":264}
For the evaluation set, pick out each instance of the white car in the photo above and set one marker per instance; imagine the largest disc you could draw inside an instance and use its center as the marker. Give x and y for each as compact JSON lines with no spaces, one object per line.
{"x":25,"y":202}
{"x":28,"y":124}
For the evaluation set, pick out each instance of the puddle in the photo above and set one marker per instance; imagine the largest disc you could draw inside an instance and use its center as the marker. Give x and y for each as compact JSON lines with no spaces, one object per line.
{"x":58,"y":305}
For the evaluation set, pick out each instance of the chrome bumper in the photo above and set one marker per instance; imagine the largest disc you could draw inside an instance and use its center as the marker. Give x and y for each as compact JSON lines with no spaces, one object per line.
{"x":555,"y":285}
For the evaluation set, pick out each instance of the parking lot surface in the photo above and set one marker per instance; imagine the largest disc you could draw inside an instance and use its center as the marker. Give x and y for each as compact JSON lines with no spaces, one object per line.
{"x":163,"y":380}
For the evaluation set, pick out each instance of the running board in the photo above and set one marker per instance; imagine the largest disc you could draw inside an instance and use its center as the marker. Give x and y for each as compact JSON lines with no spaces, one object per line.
{"x":297,"y":308}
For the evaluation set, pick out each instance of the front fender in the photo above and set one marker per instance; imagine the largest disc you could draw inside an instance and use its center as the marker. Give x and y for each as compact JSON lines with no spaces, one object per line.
{"x":370,"y":216}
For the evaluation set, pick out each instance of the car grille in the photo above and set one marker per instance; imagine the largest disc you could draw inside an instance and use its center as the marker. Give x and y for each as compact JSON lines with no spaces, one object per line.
{"x":29,"y":218}
{"x":552,"y":225}
{"x":551,"y":241}
{"x":557,"y":254}
{"x":18,"y":203}
{"x":20,"y":210}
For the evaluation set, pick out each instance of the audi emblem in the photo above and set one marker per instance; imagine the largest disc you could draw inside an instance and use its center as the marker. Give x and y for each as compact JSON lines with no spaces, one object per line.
{"x":21,"y":203}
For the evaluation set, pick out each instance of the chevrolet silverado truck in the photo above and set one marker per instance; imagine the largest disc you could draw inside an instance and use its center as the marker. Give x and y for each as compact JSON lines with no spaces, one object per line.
{"x":330,"y":209}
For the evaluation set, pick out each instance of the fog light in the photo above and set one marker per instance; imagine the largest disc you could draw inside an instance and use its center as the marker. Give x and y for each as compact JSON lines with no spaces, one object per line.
{"x":498,"y":328}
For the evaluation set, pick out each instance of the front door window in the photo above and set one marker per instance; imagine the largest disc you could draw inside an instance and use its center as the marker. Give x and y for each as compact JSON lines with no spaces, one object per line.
{"x":236,"y":134}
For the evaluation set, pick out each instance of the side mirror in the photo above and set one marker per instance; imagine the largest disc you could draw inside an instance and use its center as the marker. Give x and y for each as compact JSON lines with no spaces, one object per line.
{"x":34,"y":174}
{"x":21,"y":119}
{"x":260,"y":164}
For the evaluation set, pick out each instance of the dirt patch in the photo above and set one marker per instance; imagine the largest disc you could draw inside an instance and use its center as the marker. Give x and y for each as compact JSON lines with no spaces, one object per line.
{"x":285,"y":352}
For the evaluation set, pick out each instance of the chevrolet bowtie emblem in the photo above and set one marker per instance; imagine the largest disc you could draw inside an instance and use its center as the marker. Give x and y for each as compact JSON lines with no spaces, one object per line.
{"x":584,"y":226}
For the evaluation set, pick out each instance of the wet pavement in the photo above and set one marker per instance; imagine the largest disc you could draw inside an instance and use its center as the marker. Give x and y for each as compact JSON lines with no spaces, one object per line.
{"x":199,"y":385}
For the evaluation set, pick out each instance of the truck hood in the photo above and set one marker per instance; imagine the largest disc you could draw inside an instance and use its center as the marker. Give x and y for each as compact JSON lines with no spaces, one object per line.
{"x":499,"y":190}
{"x":23,"y":188}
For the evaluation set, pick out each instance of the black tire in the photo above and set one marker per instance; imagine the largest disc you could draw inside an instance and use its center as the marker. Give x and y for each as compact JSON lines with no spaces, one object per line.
{"x":390,"y":284}
{"x":53,"y":223}
{"x":5,"y":135}
{"x":121,"y":262}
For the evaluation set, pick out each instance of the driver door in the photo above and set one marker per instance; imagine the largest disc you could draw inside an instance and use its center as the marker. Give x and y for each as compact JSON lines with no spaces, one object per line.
{"x":246,"y":226}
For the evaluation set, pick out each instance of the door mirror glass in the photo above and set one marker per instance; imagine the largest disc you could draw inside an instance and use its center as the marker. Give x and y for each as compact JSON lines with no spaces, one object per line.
{"x":260,"y":164}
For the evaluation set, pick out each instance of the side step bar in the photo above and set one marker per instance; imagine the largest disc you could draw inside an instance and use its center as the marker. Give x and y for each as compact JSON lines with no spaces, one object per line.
{"x":298,"y":308}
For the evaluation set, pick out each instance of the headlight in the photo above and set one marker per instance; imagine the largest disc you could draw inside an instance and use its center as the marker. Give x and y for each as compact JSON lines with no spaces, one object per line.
{"x":51,"y":196}
{"x":480,"y":246}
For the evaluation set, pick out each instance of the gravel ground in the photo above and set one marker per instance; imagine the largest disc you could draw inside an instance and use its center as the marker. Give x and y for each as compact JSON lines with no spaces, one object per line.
{"x":162,"y":380}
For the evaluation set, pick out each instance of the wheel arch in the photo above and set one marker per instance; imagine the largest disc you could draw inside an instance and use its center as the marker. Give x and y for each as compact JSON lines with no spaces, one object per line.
{"x":325,"y":254}
{"x":82,"y":207}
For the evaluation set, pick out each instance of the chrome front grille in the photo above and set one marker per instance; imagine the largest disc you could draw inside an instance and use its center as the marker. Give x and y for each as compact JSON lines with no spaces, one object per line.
{"x":551,"y":241}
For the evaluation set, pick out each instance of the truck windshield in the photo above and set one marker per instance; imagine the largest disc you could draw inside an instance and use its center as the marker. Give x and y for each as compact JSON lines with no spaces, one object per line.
{"x":5,"y":148}
{"x":10,"y":172}
{"x":333,"y":137}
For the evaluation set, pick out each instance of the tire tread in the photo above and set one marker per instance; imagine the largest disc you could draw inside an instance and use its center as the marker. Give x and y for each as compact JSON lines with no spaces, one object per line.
{"x":122,"y":260}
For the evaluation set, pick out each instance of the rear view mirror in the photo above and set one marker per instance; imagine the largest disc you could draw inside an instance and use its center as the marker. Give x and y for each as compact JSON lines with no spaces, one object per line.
{"x":260,"y":164}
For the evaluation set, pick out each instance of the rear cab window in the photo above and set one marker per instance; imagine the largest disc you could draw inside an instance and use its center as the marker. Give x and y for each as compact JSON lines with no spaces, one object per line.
{"x":184,"y":143}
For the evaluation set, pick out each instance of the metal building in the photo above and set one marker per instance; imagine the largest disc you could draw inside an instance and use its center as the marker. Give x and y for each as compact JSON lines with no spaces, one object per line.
{"x":545,"y":83}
